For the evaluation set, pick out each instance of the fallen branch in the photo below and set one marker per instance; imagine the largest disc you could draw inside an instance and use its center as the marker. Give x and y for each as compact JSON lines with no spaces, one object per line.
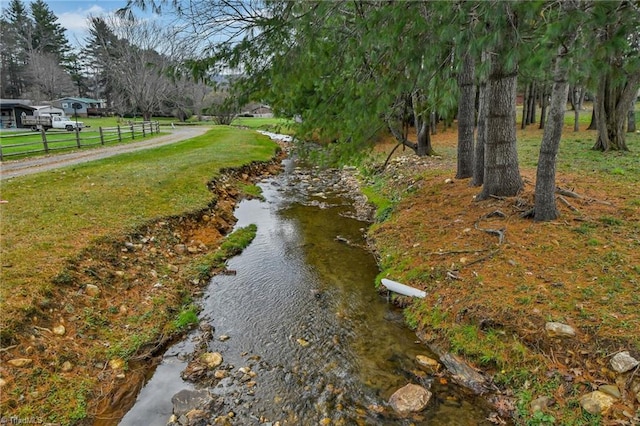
{"x":488,"y":256}
{"x":8,"y":348}
{"x":442,"y":253}
{"x":572,"y":194}
{"x":567,"y":203}
{"x":567,"y":193}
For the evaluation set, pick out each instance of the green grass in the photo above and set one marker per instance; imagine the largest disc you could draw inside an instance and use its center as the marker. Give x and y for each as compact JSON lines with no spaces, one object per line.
{"x":27,"y":143}
{"x":232,"y":246}
{"x":277,"y":125}
{"x":186,"y":318}
{"x":52,"y":217}
{"x":49,"y":216}
{"x":576,"y":153}
{"x":16,"y":145}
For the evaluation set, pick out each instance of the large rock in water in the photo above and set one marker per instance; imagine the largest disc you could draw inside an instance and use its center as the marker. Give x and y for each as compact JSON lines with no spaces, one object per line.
{"x":410,"y":399}
{"x":188,"y":400}
{"x":464,"y":374}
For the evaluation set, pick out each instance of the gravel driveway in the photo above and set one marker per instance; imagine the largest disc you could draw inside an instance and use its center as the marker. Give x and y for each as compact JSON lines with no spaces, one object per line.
{"x":14,"y":168}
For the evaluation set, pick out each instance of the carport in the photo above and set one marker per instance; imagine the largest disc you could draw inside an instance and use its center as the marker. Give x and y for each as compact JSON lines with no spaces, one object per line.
{"x":11,"y":112}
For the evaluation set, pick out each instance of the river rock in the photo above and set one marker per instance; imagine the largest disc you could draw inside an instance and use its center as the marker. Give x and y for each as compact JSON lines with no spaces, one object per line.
{"x":410,"y":399}
{"x":116,"y":364}
{"x":92,"y":290}
{"x":623,"y":362}
{"x":59,"y":330}
{"x":211,"y":359}
{"x":20,"y":362}
{"x":611,"y":390}
{"x":557,"y":329}
{"x":197,"y":417}
{"x":429,"y":364}
{"x":188,"y":400}
{"x":596,"y":402}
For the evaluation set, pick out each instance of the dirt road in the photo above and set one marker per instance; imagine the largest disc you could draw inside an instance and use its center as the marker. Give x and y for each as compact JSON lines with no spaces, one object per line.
{"x":9,"y":169}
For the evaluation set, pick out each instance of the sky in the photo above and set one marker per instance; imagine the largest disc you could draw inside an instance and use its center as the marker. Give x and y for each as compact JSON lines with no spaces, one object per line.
{"x":72,"y":14}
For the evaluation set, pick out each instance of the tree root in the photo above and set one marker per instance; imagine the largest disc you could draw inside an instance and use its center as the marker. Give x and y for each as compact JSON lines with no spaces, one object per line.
{"x":572,"y":194}
{"x":499,"y":232}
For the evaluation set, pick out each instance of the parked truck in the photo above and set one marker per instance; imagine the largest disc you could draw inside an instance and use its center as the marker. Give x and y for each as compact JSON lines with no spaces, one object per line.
{"x":47,"y":122}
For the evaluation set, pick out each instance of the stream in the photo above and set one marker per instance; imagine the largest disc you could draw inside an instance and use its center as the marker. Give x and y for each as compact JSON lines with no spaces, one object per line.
{"x":305,"y":338}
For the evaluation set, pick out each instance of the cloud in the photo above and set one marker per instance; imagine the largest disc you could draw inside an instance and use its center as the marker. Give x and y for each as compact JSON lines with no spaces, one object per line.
{"x":77,"y":20}
{"x":76,"y":23}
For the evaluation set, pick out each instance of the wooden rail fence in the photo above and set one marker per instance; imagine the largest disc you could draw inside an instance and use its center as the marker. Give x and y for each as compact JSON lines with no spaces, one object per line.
{"x":21,"y":144}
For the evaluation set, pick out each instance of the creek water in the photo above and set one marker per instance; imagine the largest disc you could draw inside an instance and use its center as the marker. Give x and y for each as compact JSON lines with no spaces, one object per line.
{"x":302,"y":314}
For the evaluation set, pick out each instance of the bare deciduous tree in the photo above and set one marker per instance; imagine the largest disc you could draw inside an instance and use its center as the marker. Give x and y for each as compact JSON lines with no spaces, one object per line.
{"x":48,"y":80}
{"x":140,"y":66}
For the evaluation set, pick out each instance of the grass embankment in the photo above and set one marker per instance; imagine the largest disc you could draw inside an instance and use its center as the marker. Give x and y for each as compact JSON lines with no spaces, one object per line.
{"x":490,"y":301}
{"x":23,"y":144}
{"x":99,"y":264}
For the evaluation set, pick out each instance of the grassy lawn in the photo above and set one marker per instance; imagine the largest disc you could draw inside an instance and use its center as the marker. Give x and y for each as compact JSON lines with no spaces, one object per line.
{"x":26,"y":143}
{"x":17,"y":145}
{"x":277,"y":125}
{"x":65,"y":217}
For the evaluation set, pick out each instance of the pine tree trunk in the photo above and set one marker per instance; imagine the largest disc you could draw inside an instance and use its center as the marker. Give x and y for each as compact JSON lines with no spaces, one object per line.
{"x":594,"y":121}
{"x":631,"y":124}
{"x":612,"y":112}
{"x":466,"y":117}
{"x":545,"y":202}
{"x":574,"y":96}
{"x":525,"y":107}
{"x":533,"y":94}
{"x":424,"y":140}
{"x":422,"y":124}
{"x":481,"y":139}
{"x":501,"y":174}
{"x":543,"y":106}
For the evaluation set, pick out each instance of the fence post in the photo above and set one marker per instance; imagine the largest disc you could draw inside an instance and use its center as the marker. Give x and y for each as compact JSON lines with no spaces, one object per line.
{"x":133,"y":135}
{"x":144,"y":125}
{"x":43,"y":134}
{"x":78,"y":137}
{"x":157,"y":127}
{"x":119,"y":134}
{"x":101,"y":136}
